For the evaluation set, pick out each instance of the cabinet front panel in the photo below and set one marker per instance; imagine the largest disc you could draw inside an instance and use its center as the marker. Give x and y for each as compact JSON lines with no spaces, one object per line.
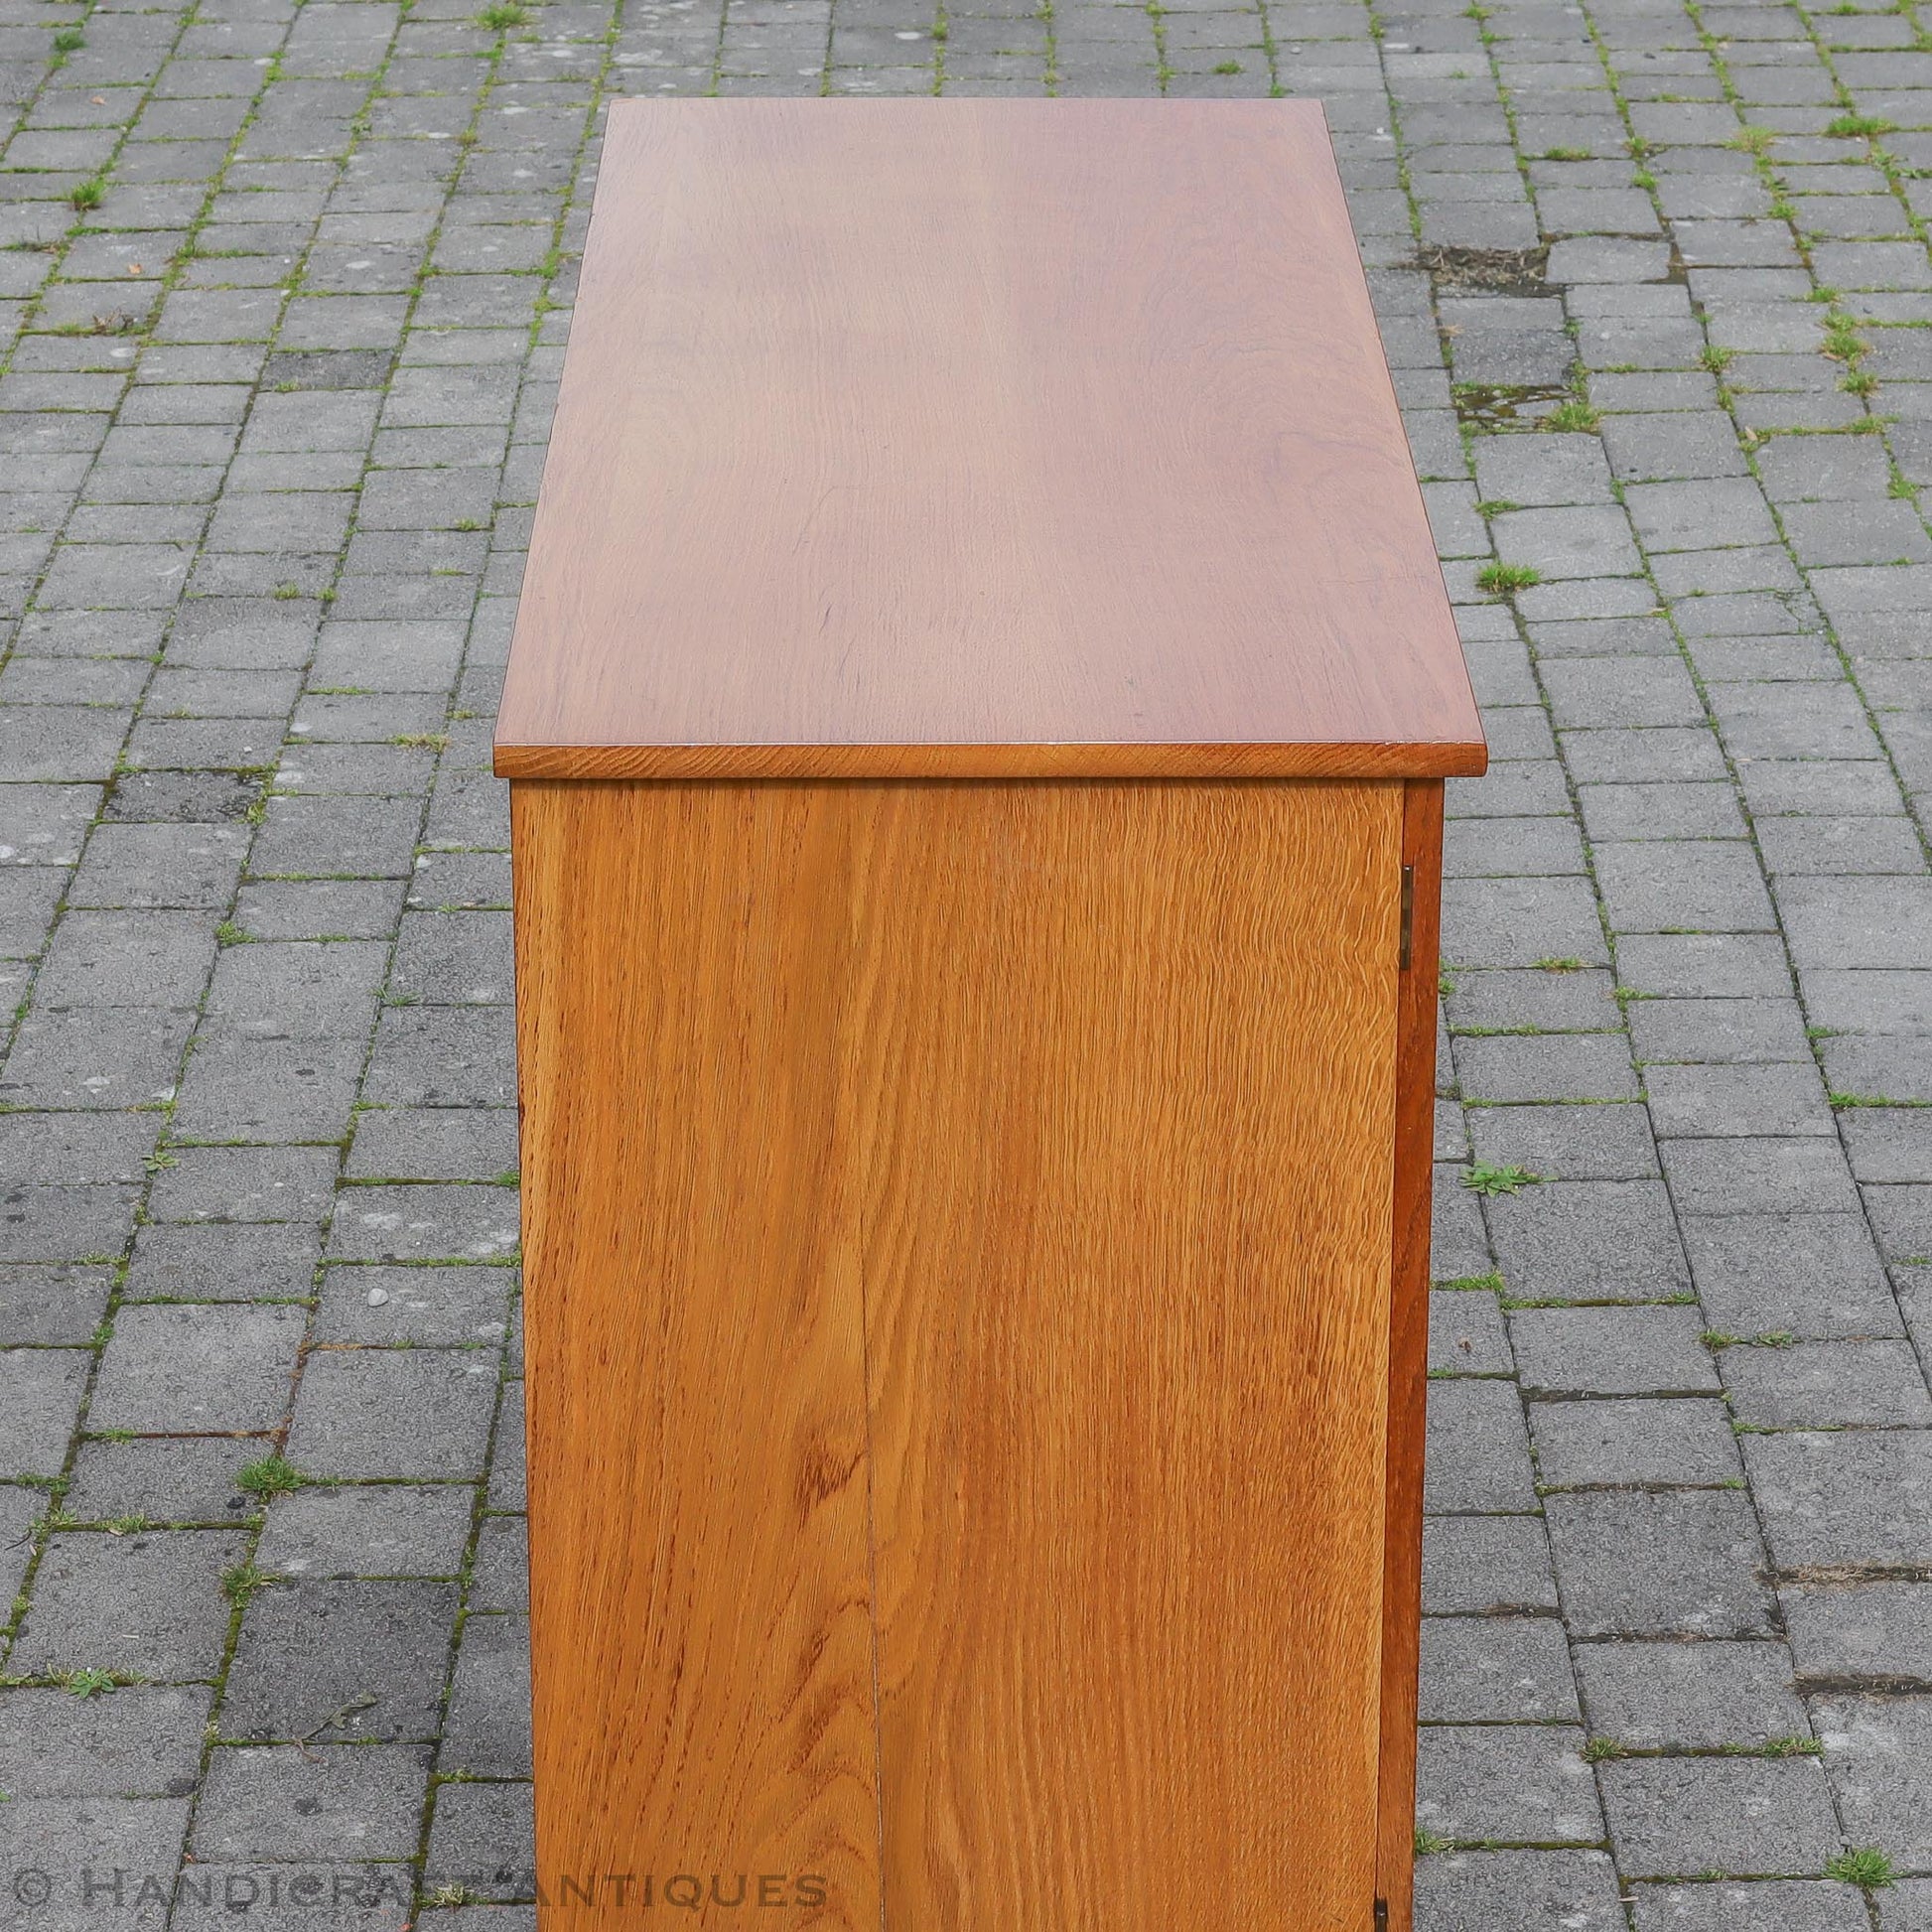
{"x":958,"y":1255}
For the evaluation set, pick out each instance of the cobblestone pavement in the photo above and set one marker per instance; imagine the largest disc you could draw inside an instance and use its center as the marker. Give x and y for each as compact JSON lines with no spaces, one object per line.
{"x":285,"y":289}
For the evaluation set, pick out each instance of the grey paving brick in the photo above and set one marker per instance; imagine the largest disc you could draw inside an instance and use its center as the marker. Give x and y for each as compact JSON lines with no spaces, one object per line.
{"x":1679,"y":1817}
{"x":134,"y":1743}
{"x":1560,"y":543}
{"x":453,"y":958}
{"x":95,"y":1057}
{"x":1516,"y":922}
{"x":1769,"y":1904}
{"x":483,"y":1840}
{"x":171,"y":865}
{"x":103,"y":1836}
{"x":52,"y":1304}
{"x":370,"y":1531}
{"x":40,"y":1407}
{"x":1732,"y":965}
{"x":451,"y":1306}
{"x":103,"y":959}
{"x":1868,"y":1001}
{"x":426,"y":1223}
{"x":1708,"y":1032}
{"x":448,"y":1056}
{"x":1773,"y":720}
{"x":376,"y":1896}
{"x":1499,"y":1784}
{"x":223,"y":1183}
{"x":507,"y":1487}
{"x":1612,"y":754}
{"x":434,"y":1144}
{"x":1798,"y":1173}
{"x":1827,"y":1385}
{"x":1644,"y":1564}
{"x":318,"y":909}
{"x":1478,"y":1448}
{"x":22,"y":1511}
{"x":1496,"y":1669}
{"x":1561,"y":999}
{"x":1581,"y":1143}
{"x":1620,"y":691}
{"x":1486,"y":1566}
{"x":1878,"y":1753}
{"x":1517,"y":1892}
{"x":1814,"y":1276}
{"x":1849,"y":922}
{"x":162,"y":1480}
{"x":1543,"y":470}
{"x":1466,"y":1336}
{"x":55,"y":1224}
{"x":298,"y":990}
{"x":1908,"y":1907}
{"x":1887,"y":1144}
{"x":1692,"y":885}
{"x":1699,"y":515}
{"x":1577,"y":1066}
{"x":187,"y":1370}
{"x":340,"y":1661}
{"x":489,"y":1729}
{"x":223,"y":1262}
{"x":319,"y":1801}
{"x":1689,"y":1696}
{"x":1717,"y":1100}
{"x":149,"y":1602}
{"x":421,"y":1413}
{"x":241,"y":1087}
{"x":1901,"y":1219}
{"x":1587,"y":1240}
{"x":1852,"y":1499}
{"x":1583,"y":1445}
{"x":1873,"y":1633}
{"x":1878,"y":1069}
{"x":337,"y":837}
{"x":502,"y":1574}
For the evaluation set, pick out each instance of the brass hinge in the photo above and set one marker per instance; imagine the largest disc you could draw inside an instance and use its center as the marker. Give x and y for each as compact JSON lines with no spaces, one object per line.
{"x":1407,"y":942}
{"x":1382,"y":1905}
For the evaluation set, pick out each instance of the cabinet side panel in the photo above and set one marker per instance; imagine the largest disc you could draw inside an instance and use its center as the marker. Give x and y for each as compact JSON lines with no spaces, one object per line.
{"x":1415,"y":1148}
{"x":1126,"y":1079}
{"x":700,"y":1600}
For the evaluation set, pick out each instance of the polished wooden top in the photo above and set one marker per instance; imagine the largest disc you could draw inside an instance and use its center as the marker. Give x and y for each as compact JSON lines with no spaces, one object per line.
{"x":978,"y":438}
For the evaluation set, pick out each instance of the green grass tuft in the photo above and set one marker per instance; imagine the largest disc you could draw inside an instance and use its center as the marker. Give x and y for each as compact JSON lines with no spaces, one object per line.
{"x":1485,"y":1178}
{"x":271,"y":1475}
{"x":1861,"y":1864}
{"x":1501,"y":578}
{"x":1573,"y":417}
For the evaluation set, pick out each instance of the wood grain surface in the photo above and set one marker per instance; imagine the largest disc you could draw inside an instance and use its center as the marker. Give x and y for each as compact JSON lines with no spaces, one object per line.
{"x":700,"y":1605}
{"x":1413,"y":1166}
{"x":958,"y":1249}
{"x":978,"y":438}
{"x":1127,"y":1252}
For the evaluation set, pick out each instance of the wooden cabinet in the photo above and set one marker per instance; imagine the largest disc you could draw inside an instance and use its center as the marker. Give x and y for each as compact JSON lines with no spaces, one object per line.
{"x":976,"y":727}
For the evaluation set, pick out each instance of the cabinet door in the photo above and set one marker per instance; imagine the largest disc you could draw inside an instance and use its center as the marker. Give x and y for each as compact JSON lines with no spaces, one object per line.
{"x":700,"y":1582}
{"x":1124,"y":1067}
